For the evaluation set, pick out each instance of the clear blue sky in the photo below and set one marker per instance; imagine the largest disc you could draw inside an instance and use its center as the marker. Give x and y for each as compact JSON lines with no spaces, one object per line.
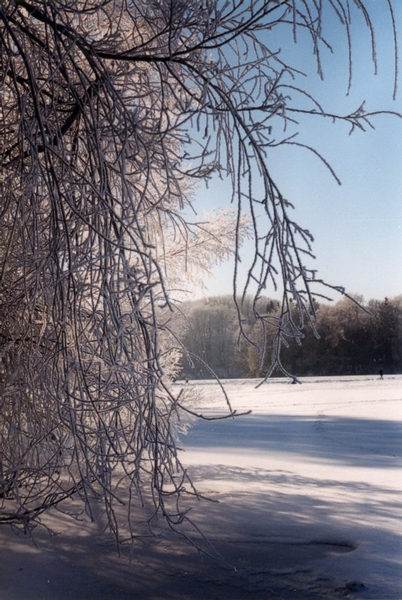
{"x":357,"y":226}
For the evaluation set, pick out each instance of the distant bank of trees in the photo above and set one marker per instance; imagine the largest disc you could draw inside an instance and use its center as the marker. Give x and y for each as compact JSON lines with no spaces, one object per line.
{"x":350,"y":340}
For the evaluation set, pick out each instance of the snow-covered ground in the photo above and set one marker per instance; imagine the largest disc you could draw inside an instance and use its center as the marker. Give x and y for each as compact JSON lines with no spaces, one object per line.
{"x":317,"y":464}
{"x":309,"y":488}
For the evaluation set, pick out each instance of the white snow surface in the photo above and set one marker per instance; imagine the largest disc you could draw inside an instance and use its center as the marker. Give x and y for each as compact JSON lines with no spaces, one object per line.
{"x":316,"y":463}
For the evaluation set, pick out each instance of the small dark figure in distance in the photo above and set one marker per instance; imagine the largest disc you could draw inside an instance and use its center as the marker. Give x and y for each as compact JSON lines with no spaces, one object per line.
{"x":381,"y":374}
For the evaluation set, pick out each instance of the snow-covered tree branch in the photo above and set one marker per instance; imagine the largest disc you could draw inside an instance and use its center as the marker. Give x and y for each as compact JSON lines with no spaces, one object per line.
{"x":111,"y":113}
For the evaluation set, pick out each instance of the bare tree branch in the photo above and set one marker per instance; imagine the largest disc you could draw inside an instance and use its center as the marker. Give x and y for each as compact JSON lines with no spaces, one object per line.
{"x":110,"y":112}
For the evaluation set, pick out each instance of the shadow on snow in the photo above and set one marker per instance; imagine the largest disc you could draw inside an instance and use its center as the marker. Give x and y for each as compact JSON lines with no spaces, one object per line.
{"x":352,"y":441}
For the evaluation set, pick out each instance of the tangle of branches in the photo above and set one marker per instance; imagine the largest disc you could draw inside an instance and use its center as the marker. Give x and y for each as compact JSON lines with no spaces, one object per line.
{"x":111,"y":112}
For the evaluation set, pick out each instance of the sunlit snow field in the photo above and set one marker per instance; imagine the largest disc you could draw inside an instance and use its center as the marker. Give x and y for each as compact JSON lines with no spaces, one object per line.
{"x":316,"y":463}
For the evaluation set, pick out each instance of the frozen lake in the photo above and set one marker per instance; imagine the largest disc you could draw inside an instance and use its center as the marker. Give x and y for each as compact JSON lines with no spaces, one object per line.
{"x":309,"y":489}
{"x":316,"y":463}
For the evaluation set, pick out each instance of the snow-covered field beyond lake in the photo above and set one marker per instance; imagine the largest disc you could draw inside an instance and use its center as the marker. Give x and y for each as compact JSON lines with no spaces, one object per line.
{"x":309,"y":488}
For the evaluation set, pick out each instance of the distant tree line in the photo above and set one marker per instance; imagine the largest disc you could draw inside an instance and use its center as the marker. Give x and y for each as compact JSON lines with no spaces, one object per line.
{"x":350,"y":340}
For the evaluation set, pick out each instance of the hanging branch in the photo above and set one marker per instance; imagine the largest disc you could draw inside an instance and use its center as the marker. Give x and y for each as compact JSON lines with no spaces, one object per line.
{"x":110,"y":112}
